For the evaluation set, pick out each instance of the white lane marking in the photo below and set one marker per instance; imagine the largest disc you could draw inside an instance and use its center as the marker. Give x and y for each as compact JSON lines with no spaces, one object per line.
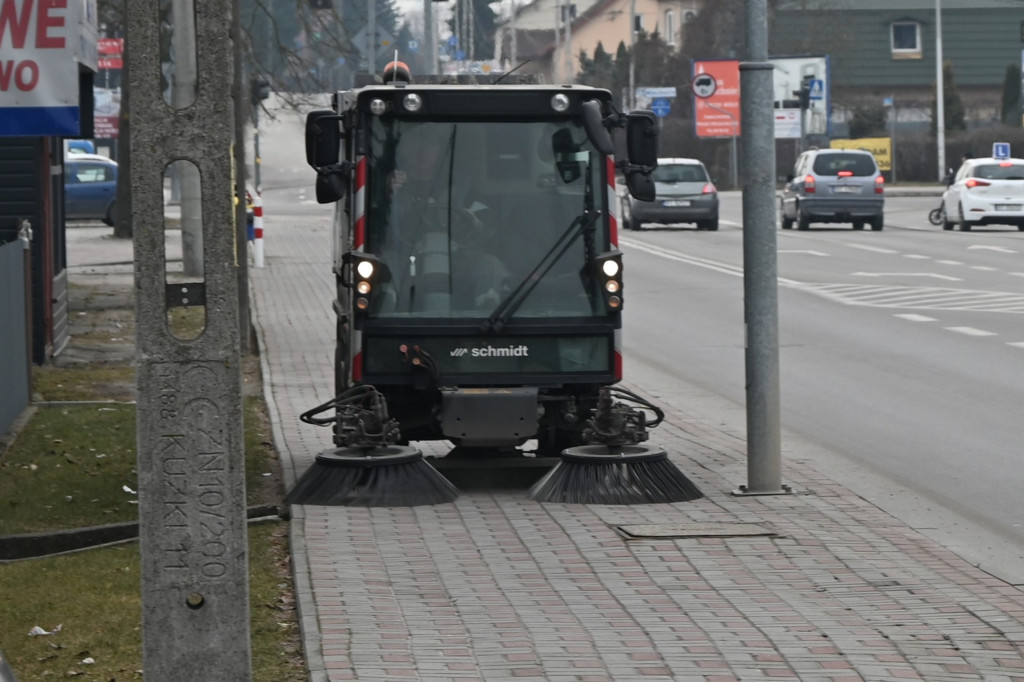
{"x":876,"y":249}
{"x":1000,"y":249}
{"x":807,"y":251}
{"x":915,"y":318}
{"x":970,"y":331}
{"x":906,"y":274}
{"x":863,"y":294}
{"x":983,"y":268}
{"x":1017,"y":274}
{"x":1016,"y":344}
{"x":949,"y":262}
{"x":917,"y":256}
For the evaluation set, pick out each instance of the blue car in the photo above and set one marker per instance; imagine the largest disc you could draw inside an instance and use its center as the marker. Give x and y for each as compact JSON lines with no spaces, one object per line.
{"x":90,"y":188}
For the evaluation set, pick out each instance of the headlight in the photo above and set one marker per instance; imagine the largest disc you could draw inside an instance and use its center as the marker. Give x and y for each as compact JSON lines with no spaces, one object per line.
{"x":560,"y":103}
{"x":609,"y":271}
{"x":378,"y":106}
{"x":364,"y":271}
{"x":412,"y":102}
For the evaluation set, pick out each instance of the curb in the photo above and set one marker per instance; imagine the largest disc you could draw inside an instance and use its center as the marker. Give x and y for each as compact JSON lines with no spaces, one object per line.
{"x":37,"y":545}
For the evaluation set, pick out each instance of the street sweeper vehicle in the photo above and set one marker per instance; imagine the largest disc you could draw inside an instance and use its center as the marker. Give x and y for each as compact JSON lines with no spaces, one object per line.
{"x":479,"y":284}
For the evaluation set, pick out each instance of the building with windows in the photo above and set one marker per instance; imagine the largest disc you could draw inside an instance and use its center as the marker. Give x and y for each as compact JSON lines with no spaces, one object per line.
{"x":885,"y":50}
{"x":550,"y":34}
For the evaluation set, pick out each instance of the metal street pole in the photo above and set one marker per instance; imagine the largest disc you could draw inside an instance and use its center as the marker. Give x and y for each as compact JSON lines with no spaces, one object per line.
{"x":428,"y":36}
{"x":892,"y":139}
{"x":371,"y":36}
{"x":632,"y":54}
{"x":760,"y":267}
{"x":940,"y":94}
{"x":183,"y":94}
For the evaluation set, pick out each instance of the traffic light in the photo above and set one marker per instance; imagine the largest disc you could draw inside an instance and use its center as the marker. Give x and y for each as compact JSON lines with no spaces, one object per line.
{"x":259,"y":89}
{"x":804,"y":93}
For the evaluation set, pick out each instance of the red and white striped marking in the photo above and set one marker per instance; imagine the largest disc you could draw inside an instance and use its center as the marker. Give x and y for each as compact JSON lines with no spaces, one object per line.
{"x":613,"y":238}
{"x":359,"y":244}
{"x":257,"y":230}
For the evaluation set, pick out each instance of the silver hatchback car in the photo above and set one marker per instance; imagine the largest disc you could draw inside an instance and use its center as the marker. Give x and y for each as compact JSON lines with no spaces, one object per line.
{"x":833,"y":186}
{"x":683,"y":194}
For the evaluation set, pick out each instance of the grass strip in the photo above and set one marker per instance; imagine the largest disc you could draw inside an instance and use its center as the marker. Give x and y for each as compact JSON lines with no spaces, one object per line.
{"x":95,"y":597}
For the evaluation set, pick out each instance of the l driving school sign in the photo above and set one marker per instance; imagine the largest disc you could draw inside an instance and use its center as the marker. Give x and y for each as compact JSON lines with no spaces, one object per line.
{"x":42,"y":42}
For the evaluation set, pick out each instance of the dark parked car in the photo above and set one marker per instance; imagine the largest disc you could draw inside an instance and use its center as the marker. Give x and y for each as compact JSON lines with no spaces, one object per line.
{"x":90,"y":188}
{"x":683,"y":194}
{"x":834,"y":186}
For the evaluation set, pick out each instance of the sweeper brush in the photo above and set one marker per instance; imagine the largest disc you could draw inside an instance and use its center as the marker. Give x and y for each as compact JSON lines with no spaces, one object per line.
{"x":616,"y":468}
{"x":368,"y":469}
{"x":391,"y":476}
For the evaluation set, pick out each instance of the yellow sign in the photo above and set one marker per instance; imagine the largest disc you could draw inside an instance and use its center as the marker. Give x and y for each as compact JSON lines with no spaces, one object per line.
{"x":880,"y":148}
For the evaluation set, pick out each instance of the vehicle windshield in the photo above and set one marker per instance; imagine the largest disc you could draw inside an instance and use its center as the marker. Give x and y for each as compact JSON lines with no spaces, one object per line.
{"x":461,"y":213}
{"x":669,"y":173}
{"x":831,"y":164}
{"x":1009,"y":171}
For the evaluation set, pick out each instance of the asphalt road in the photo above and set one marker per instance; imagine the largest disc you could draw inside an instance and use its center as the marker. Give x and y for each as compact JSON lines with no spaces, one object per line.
{"x":901,"y":354}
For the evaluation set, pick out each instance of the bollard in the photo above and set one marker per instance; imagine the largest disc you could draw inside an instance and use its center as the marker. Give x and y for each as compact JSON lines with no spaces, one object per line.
{"x":191,"y":479}
{"x":257,"y":225}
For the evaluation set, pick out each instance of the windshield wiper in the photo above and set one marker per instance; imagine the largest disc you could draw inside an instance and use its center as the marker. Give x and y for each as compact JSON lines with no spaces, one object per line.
{"x":580,"y":225}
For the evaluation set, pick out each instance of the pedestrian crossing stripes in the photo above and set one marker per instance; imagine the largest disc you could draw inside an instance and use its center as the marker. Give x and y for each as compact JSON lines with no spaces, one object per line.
{"x":928,"y":298}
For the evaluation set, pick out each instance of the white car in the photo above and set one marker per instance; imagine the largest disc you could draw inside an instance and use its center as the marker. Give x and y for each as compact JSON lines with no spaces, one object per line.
{"x":986,"y":192}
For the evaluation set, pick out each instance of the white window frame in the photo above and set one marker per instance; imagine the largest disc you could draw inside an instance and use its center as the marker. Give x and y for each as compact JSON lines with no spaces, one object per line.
{"x":905,"y":52}
{"x":670,"y":27}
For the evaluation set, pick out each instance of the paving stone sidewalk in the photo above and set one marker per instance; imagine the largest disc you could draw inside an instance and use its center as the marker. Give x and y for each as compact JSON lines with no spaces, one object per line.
{"x":817,"y":585}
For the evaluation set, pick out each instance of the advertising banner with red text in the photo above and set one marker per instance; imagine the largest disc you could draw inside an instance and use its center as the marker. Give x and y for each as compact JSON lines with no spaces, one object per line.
{"x":107,"y":90}
{"x":718,"y":113}
{"x":41,"y":45}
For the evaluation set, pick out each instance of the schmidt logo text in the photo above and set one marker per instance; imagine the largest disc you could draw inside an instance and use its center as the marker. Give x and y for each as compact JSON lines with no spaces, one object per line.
{"x":520,"y":351}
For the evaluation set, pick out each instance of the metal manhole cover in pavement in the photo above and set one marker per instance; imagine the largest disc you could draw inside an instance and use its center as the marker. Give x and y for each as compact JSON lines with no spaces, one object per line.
{"x":693,"y":530}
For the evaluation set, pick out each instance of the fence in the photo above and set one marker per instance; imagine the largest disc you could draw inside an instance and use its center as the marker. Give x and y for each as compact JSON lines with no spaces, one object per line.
{"x":14,"y":334}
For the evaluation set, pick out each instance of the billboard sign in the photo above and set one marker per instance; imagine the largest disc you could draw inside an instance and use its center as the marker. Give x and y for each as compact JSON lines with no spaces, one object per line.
{"x":107,"y":90}
{"x":789,"y":76}
{"x":717,"y":114}
{"x":41,"y":46}
{"x":788,"y":124}
{"x":880,"y":148}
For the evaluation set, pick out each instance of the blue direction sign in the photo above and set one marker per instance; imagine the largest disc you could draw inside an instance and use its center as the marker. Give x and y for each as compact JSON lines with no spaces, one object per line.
{"x":661,"y":107}
{"x":1000,"y":150}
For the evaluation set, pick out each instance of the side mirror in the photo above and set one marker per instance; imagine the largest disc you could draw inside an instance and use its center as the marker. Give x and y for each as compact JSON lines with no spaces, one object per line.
{"x":642,"y":138}
{"x":565,"y":151}
{"x":323,"y":139}
{"x":641,"y":185}
{"x":593,"y":122}
{"x":330,"y":186}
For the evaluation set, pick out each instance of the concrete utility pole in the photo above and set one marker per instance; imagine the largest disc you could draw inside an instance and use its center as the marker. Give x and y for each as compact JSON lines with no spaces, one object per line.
{"x":760,"y":267}
{"x":183,"y":93}
{"x":191,"y":480}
